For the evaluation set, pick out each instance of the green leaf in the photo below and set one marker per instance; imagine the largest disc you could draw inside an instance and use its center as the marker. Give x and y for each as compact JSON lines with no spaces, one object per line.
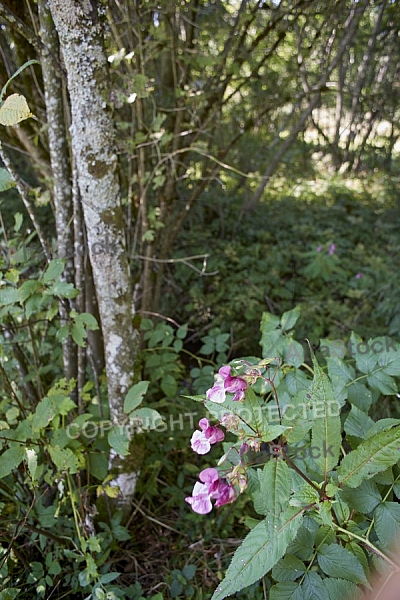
{"x":146,"y":418}
{"x":6,"y":181}
{"x":313,"y":587}
{"x":11,"y":459}
{"x":298,"y":416}
{"x":79,"y":334}
{"x":87,"y":320}
{"x":288,"y":568}
{"x":387,"y":522}
{"x":289,"y":318}
{"x":357,"y":423}
{"x":28,"y":288}
{"x":336,"y":561}
{"x":286,"y":590}
{"x":364,"y":498}
{"x":118,"y":438}
{"x":325,"y":432}
{"x":45,"y":412}
{"x":371,"y":457}
{"x":275,"y":486}
{"x":54,"y":270}
{"x":135,"y":396}
{"x":259,"y":552}
{"x":365,"y":361}
{"x":169,"y":385}
{"x":8,"y":295}
{"x":338,"y":589}
{"x":181,"y":333}
{"x":382,"y":382}
{"x":64,"y":459}
{"x":294,"y":353}
{"x":271,"y":337}
{"x":359,"y":395}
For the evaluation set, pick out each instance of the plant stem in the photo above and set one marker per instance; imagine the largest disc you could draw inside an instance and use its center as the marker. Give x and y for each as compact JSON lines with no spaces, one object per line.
{"x":370,"y":545}
{"x":303,"y":475}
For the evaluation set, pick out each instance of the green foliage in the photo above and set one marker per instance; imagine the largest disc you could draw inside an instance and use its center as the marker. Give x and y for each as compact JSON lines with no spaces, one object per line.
{"x":326,"y":505}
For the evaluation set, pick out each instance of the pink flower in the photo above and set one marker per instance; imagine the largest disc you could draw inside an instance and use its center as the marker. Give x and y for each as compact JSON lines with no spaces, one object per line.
{"x":319,"y":249}
{"x":212,"y":487}
{"x":359,"y":275}
{"x":217,"y":392}
{"x":200,"y":500}
{"x":332,"y":249}
{"x":226,"y":383}
{"x":201,"y":440}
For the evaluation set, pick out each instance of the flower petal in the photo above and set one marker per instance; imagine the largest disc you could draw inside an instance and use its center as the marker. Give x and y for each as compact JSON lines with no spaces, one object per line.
{"x":200,"y":443}
{"x":208,"y":475}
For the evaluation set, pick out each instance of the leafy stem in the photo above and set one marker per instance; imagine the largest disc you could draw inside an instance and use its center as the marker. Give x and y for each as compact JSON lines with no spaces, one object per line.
{"x":371,"y":546}
{"x":303,"y":475}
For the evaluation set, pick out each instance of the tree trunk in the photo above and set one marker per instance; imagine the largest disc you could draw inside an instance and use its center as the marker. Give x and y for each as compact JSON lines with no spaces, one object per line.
{"x":92,"y":133}
{"x":59,"y":160}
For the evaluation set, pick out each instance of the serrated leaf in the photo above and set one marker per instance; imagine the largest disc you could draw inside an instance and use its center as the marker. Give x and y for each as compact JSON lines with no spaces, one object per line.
{"x":274,"y":491}
{"x":336,"y":561}
{"x":11,"y":459}
{"x":364,"y":498}
{"x":359,"y":395}
{"x":259,"y":552}
{"x":118,"y":438}
{"x":382,"y":382}
{"x":288,"y":568}
{"x":357,"y":423}
{"x":325,"y":431}
{"x":365,"y":361}
{"x":387,"y":522}
{"x":294,"y":354}
{"x":371,"y":457}
{"x":313,"y":587}
{"x":298,"y":416}
{"x":286,"y":590}
{"x":338,"y":589}
{"x":135,"y":396}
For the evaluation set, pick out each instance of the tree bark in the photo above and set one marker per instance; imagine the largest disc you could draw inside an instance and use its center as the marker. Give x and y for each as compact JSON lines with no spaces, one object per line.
{"x":60,"y":167}
{"x":92,"y":133}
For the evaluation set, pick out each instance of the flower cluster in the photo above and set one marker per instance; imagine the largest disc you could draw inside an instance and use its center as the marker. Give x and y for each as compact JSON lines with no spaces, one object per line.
{"x":213,"y":487}
{"x":226,"y":383}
